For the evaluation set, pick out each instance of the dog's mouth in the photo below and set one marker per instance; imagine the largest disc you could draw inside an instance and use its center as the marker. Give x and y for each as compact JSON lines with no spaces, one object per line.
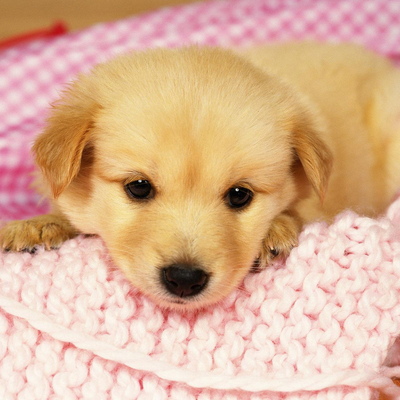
{"x":185,"y":304}
{"x":179,"y":301}
{"x":256,"y":266}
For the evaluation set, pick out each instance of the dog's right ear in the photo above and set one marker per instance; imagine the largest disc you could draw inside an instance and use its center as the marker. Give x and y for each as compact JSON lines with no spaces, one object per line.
{"x":314,"y":156}
{"x":59,"y":148}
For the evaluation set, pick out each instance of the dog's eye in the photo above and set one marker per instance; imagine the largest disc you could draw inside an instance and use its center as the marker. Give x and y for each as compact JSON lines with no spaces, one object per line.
{"x":140,"y":189}
{"x":239,"y":197}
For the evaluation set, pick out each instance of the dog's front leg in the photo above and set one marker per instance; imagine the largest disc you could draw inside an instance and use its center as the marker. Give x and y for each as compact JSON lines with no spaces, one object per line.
{"x":282,"y":236}
{"x":50,"y":230}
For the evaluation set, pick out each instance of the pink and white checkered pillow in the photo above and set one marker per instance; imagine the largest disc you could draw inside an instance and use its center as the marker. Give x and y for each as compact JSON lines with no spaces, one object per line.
{"x":32,"y":75}
{"x":72,"y":327}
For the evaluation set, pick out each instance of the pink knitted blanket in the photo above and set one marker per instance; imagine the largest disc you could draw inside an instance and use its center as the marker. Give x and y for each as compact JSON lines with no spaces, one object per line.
{"x":319,"y":326}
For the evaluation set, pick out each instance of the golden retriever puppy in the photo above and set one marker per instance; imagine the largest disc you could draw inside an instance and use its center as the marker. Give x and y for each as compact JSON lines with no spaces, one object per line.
{"x":196,"y":165}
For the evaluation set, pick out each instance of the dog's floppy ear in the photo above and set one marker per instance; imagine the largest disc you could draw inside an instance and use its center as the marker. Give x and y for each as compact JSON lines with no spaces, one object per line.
{"x":314,"y":155}
{"x":59,"y":148}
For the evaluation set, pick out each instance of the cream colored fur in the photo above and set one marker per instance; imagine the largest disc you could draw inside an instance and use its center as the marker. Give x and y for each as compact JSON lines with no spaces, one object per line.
{"x":310,"y":129}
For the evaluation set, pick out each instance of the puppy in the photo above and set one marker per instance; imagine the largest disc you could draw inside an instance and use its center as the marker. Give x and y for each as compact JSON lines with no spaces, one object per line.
{"x":196,"y":165}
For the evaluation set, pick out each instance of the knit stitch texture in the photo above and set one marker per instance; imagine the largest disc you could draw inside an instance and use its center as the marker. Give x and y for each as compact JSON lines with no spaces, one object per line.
{"x":318,"y":327}
{"x":322,"y":325}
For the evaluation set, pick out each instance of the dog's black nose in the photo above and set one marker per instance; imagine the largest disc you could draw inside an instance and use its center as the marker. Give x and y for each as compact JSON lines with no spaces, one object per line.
{"x":184,"y":280}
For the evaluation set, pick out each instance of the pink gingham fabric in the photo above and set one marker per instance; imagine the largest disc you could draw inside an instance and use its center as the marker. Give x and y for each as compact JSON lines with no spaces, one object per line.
{"x":71,"y":326}
{"x":32,"y":75}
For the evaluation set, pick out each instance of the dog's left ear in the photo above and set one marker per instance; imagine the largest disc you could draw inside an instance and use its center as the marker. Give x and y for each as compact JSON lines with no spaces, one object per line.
{"x":314,"y":155}
{"x":60,"y":148}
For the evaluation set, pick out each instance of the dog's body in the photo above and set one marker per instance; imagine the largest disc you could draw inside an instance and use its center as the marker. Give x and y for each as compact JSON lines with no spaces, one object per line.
{"x":357,"y":94}
{"x":195,"y":164}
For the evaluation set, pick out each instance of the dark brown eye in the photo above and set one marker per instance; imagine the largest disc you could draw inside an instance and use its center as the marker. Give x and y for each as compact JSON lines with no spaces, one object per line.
{"x":239,"y":197}
{"x":140,"y":189}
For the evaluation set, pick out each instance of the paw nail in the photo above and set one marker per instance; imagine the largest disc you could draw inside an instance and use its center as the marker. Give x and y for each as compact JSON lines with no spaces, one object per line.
{"x":274,"y":252}
{"x":29,"y":250}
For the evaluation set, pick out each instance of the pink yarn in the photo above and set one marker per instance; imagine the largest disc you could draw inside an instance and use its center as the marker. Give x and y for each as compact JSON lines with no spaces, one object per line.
{"x":318,"y":327}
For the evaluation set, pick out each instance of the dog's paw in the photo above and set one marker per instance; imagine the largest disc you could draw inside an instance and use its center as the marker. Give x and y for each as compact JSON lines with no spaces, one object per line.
{"x":25,"y":235}
{"x":280,"y":240}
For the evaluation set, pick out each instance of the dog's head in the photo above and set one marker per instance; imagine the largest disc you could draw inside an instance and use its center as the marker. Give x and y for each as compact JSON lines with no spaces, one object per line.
{"x":180,"y":160}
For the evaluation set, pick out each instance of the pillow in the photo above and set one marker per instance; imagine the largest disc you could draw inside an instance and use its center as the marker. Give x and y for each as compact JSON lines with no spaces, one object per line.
{"x":32,"y":75}
{"x":321,"y":326}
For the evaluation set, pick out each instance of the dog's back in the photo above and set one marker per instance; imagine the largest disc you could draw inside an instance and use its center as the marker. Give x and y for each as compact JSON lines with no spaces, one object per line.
{"x":358,"y":95}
